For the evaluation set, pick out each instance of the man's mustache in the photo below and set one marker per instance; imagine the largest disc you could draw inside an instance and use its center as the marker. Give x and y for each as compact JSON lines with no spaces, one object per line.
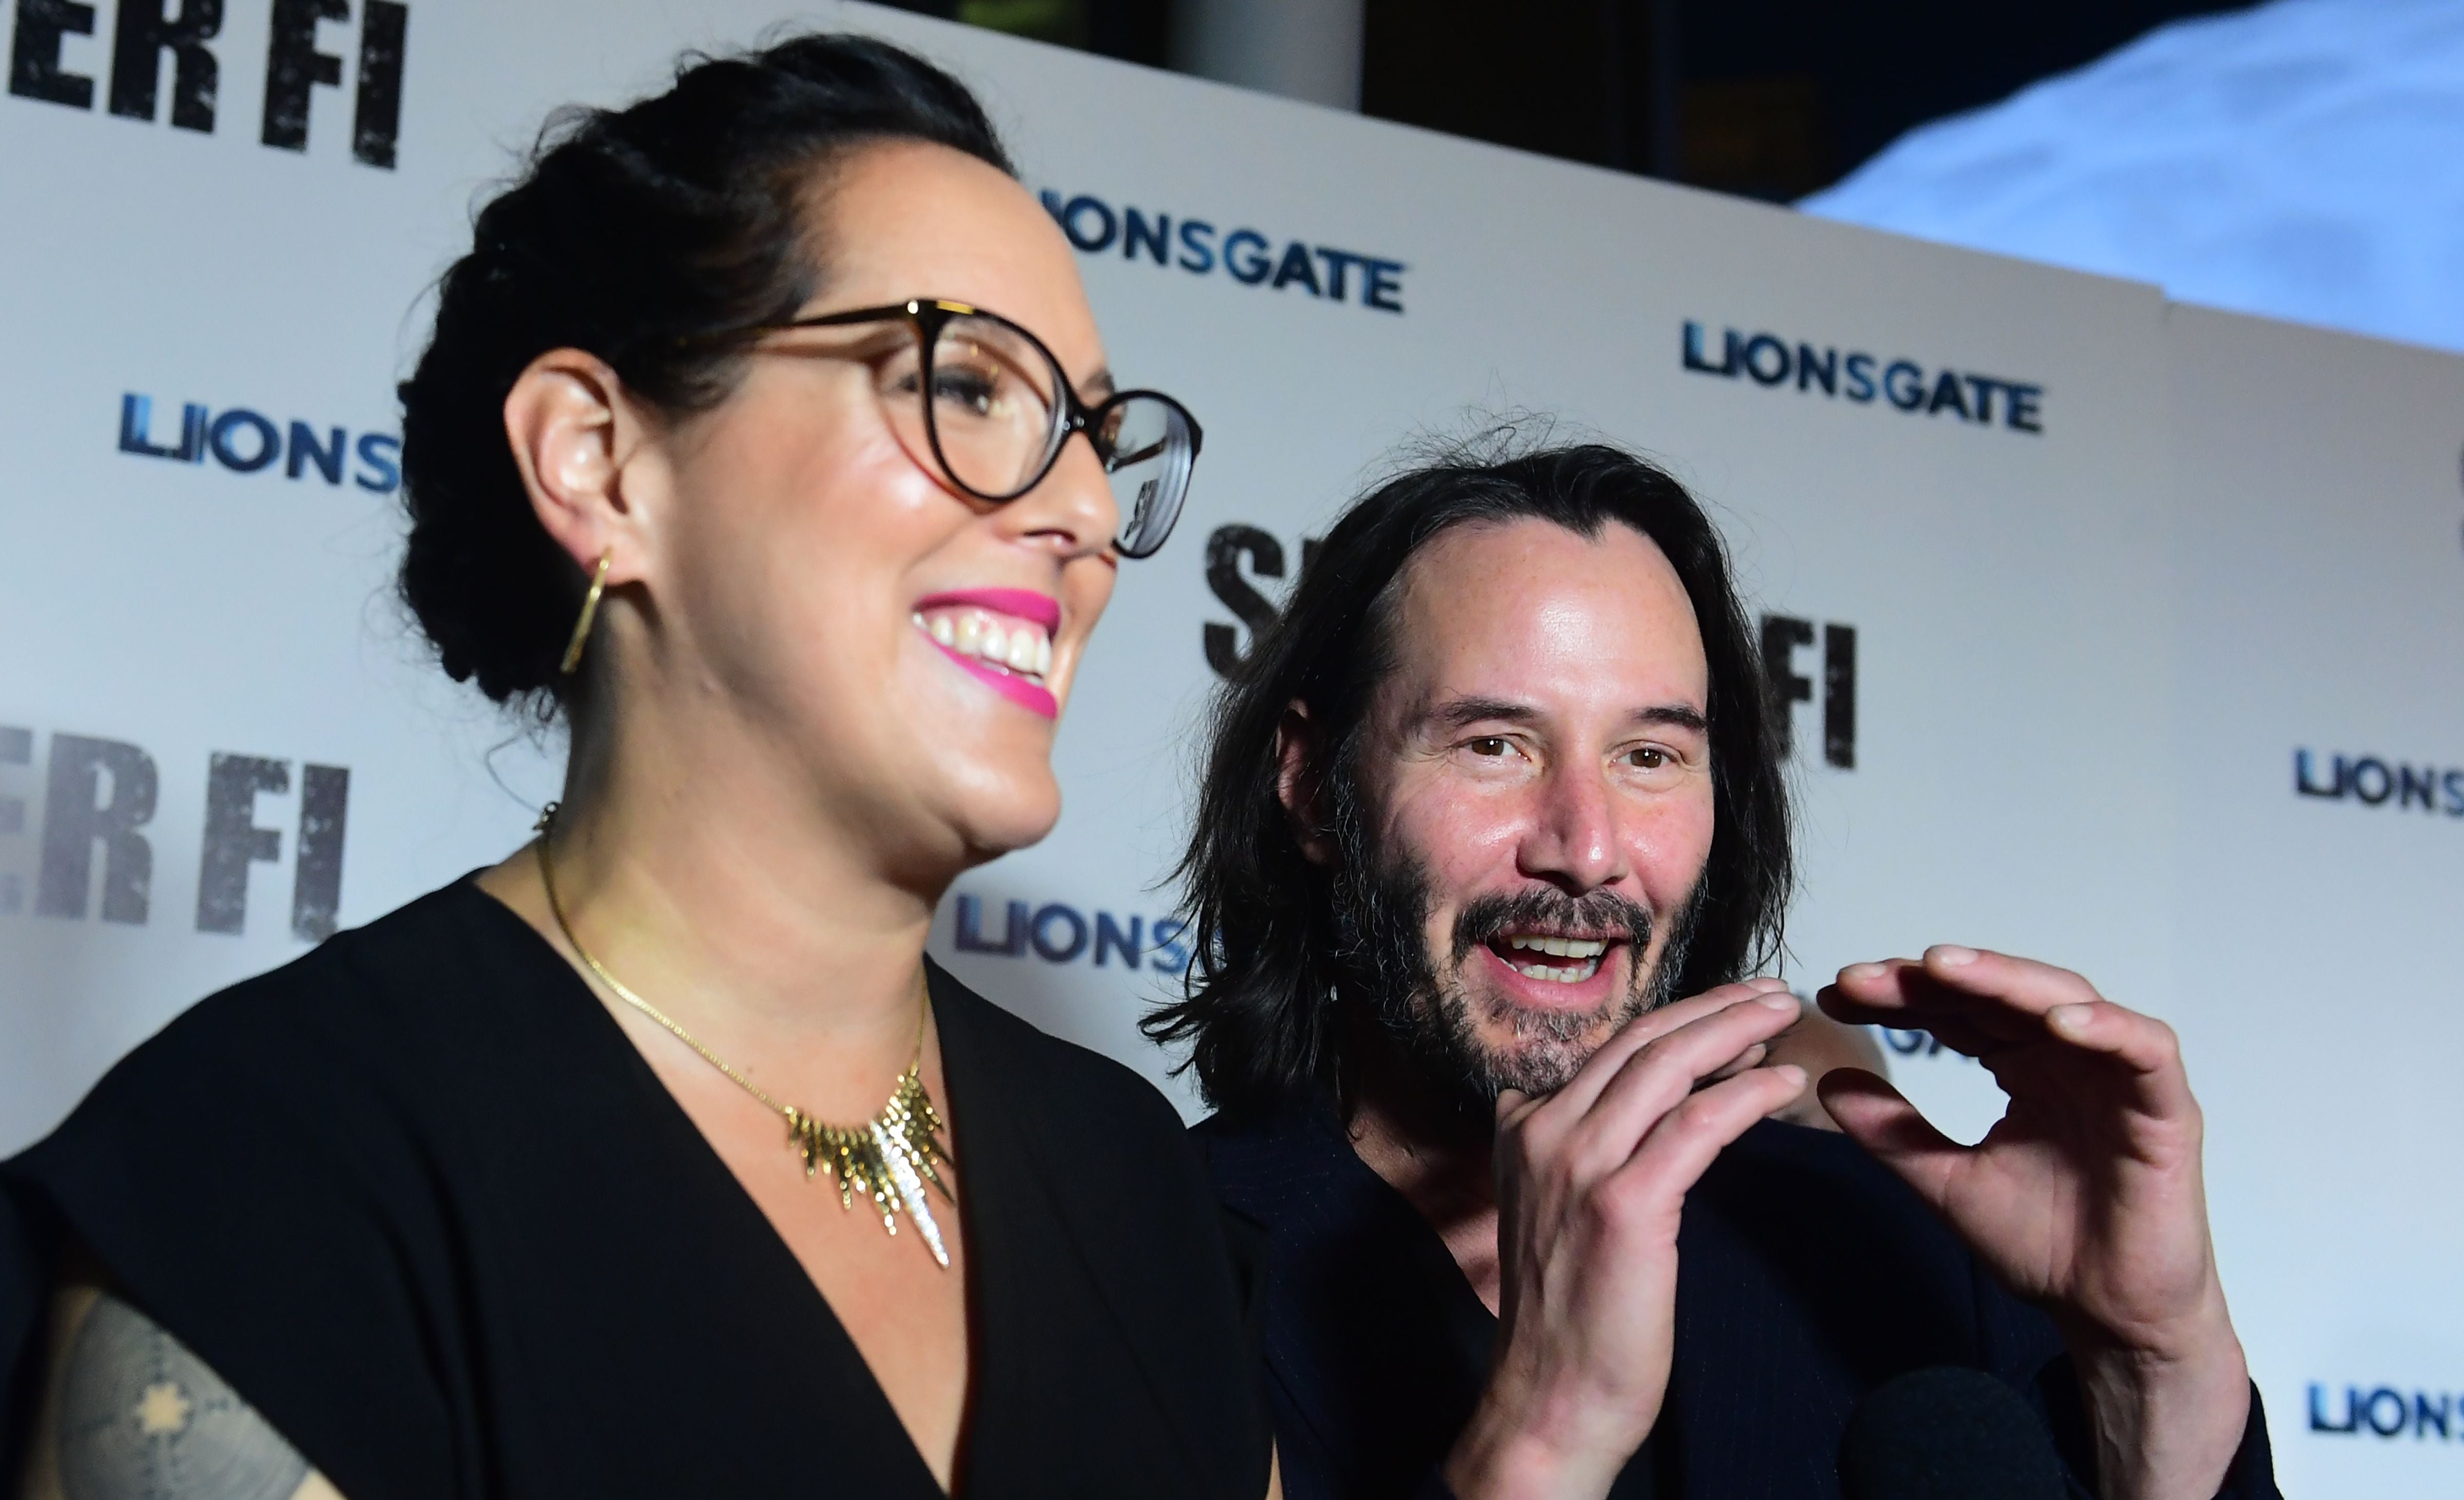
{"x":1600,"y":914}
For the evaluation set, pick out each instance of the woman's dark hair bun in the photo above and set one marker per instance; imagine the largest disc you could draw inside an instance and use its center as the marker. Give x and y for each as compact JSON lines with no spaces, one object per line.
{"x":631,"y":234}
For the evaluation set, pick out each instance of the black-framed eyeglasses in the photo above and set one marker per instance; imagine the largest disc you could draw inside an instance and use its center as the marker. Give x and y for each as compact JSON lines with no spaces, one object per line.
{"x":1001,"y":409}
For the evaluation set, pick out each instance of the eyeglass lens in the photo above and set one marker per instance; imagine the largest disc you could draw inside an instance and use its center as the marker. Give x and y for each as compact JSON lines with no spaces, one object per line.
{"x":997,"y":425}
{"x":1148,"y":453}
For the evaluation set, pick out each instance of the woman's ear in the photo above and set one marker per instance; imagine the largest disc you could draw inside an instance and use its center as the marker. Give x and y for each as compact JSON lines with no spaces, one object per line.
{"x":1299,"y":787}
{"x":574,"y":435}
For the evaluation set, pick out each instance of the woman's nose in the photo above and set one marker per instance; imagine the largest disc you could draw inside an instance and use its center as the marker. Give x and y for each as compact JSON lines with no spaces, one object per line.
{"x":1072,"y":507}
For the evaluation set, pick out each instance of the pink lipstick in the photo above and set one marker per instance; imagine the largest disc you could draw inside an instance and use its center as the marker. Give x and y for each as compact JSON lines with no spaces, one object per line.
{"x":1016,"y":689}
{"x":1035,"y":609}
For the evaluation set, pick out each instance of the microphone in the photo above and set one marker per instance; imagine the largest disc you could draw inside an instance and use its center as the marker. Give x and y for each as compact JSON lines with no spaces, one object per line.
{"x":1947,"y":1434}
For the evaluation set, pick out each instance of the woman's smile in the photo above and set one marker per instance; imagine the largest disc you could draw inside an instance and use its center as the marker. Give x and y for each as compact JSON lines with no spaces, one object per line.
{"x":1003,"y":636}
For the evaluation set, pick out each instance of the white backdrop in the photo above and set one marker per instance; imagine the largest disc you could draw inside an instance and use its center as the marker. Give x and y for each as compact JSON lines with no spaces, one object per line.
{"x":2089,"y":598}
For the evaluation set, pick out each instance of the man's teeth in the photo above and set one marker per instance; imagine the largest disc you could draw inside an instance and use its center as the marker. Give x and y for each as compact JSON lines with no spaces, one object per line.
{"x":1019,"y":647}
{"x":1560,"y":947}
{"x":1584,"y":951}
{"x":1572,"y":974}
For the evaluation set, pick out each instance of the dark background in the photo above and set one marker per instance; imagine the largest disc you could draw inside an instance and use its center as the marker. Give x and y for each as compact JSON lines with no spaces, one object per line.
{"x":1770,"y":99}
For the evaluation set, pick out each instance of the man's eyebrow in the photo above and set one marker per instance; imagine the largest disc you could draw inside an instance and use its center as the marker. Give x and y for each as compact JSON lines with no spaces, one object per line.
{"x":1675,"y":715}
{"x":1100,"y":387}
{"x":1460,"y":713}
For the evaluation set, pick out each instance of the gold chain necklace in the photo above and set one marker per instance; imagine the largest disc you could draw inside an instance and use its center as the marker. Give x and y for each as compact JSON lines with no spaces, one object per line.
{"x":897,"y":1151}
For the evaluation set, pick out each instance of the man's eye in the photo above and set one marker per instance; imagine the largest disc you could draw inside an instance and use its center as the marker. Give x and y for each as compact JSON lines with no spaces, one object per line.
{"x":1651,"y":757}
{"x":1490,"y":745}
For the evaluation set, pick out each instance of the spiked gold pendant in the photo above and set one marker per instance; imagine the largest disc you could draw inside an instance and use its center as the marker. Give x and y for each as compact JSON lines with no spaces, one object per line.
{"x":888,"y":1160}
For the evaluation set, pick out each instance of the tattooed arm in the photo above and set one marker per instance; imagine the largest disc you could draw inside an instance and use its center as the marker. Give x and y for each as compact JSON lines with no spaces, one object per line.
{"x":129,"y":1413}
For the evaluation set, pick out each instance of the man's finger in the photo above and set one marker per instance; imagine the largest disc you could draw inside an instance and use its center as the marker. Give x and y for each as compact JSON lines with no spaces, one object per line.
{"x":2141,"y":1043}
{"x":1576,"y":1097}
{"x":1751,"y":1058}
{"x":1960,"y":1033}
{"x":1902,"y":995}
{"x":1974,"y":997}
{"x":1683,"y":1142}
{"x":1949,"y":970}
{"x":2021,"y":982}
{"x":1654,"y":1081}
{"x":1879,"y":1118}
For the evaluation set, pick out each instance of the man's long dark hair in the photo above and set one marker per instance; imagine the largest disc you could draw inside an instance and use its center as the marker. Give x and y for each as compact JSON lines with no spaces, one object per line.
{"x":1262,"y":918}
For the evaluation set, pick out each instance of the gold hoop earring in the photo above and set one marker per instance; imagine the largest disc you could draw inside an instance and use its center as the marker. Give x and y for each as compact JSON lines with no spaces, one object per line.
{"x":590,"y":613}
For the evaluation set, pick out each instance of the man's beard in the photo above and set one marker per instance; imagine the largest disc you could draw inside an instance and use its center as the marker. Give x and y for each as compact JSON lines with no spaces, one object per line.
{"x":1381,"y":908}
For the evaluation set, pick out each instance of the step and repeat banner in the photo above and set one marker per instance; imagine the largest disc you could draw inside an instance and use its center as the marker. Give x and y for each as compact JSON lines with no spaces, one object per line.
{"x":2318,"y":856}
{"x":2113,"y":633}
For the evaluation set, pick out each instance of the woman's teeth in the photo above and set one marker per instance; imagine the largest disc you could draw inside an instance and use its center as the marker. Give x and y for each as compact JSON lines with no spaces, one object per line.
{"x":1018,"y":647}
{"x":1585,"y":952}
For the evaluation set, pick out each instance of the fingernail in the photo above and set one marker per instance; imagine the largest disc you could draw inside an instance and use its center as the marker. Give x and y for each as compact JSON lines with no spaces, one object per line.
{"x":1794,"y":1075}
{"x":1861,"y":972}
{"x":1766,"y":984}
{"x":1782,"y":1001}
{"x":1950,"y":955}
{"x":2070,"y":1018}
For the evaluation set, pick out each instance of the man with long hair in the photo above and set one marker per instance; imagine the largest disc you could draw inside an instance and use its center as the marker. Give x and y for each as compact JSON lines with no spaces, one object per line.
{"x":1493,"y":834}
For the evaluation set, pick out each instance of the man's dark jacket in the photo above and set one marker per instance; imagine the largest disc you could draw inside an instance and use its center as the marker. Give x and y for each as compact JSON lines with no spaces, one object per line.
{"x":1807,"y":1275}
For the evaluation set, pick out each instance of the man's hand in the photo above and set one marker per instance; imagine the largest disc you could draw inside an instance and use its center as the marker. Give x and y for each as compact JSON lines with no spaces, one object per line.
{"x":1591,"y":1181}
{"x":2087,"y":1197}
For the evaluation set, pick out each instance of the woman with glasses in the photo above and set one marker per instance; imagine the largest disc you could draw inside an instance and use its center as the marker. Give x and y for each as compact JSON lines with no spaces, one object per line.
{"x":765,"y":438}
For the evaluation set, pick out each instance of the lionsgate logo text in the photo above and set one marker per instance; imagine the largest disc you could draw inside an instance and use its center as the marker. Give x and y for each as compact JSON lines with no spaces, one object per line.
{"x":2385,"y":1411}
{"x":248,"y":441}
{"x":1863,"y":379}
{"x":1249,"y":257}
{"x":2380,"y":781}
{"x":1058,"y":932}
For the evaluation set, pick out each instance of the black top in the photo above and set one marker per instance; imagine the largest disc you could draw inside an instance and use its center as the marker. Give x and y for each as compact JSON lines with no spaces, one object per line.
{"x":1807,"y":1275}
{"x":420,"y":1201}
